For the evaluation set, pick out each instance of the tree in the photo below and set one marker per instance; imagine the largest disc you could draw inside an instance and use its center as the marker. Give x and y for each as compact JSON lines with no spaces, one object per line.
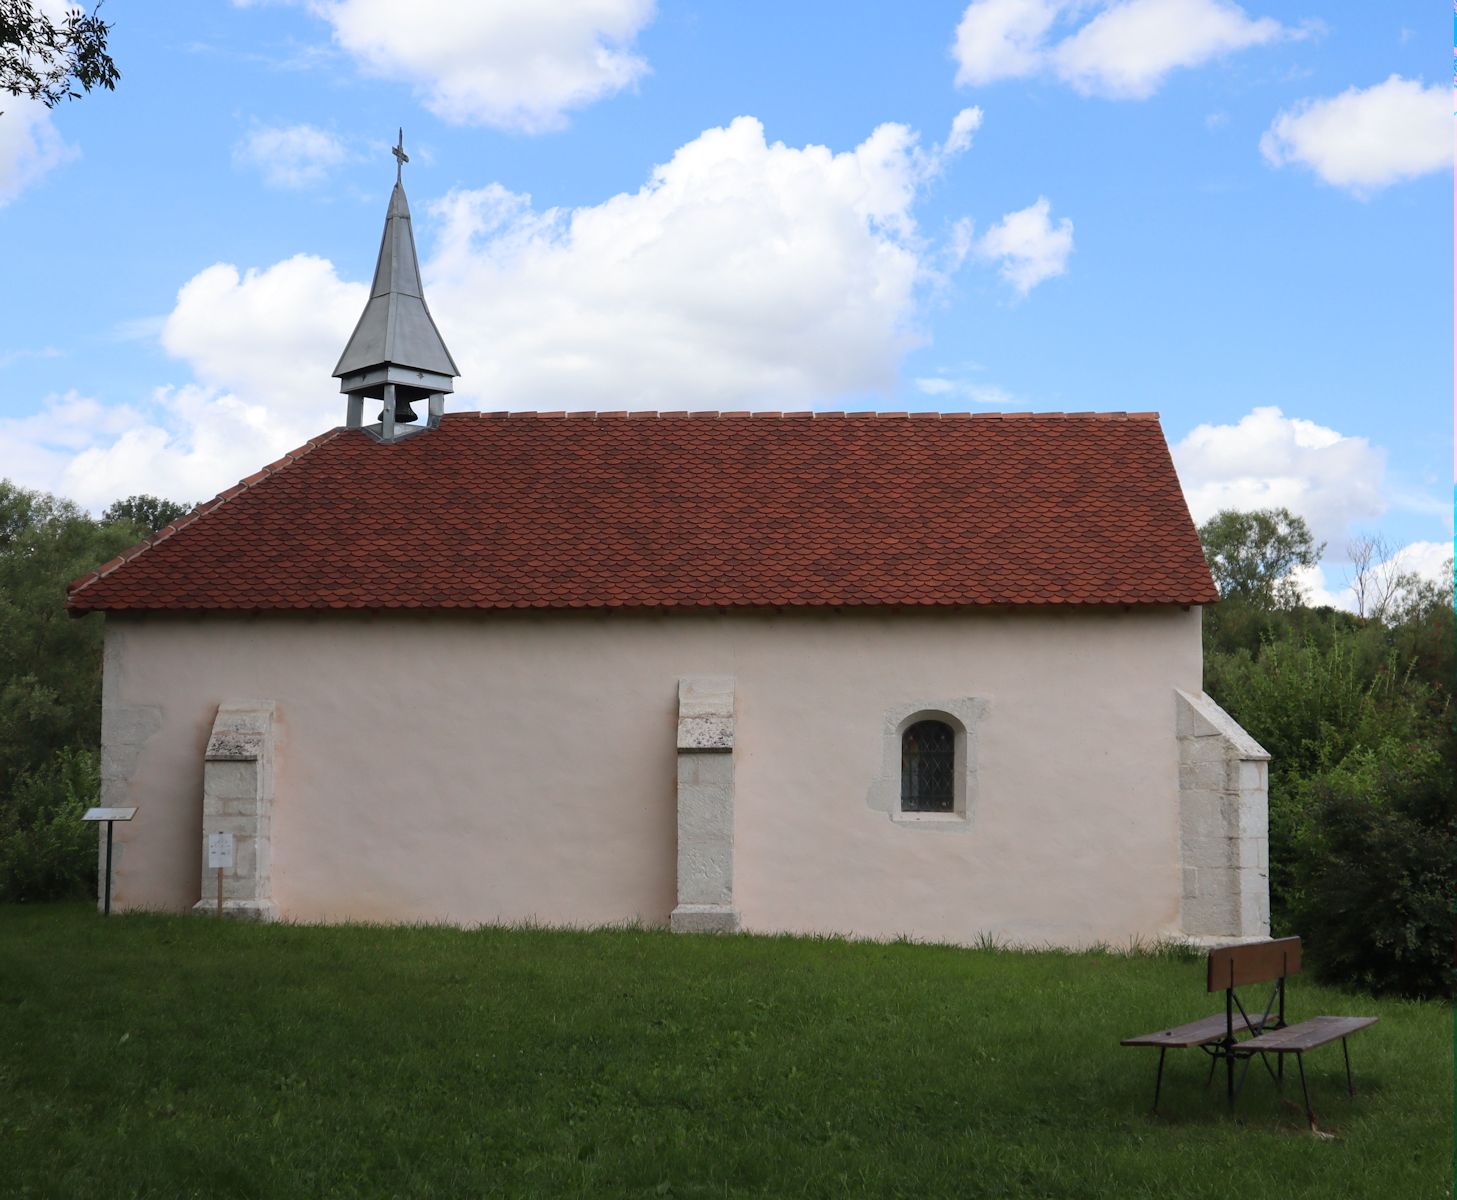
{"x":50,"y":662}
{"x":47,"y":60}
{"x":150,"y":513}
{"x":1376,"y":579}
{"x":1252,"y":555}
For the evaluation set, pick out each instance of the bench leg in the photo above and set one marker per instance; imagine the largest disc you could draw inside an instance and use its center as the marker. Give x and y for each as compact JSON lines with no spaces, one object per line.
{"x":1265,"y":1059}
{"x":1229,"y":1075}
{"x":1305,"y":1091}
{"x":1158,"y":1082}
{"x":1346,"y":1050}
{"x":1244,"y":1076}
{"x":1213,"y":1062}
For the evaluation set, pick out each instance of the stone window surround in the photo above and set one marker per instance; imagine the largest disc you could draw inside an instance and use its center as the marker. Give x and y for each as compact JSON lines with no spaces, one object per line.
{"x":962,"y":715}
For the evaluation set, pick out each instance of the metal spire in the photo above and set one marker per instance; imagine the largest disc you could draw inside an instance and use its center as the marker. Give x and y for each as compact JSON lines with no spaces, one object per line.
{"x":396,"y":353}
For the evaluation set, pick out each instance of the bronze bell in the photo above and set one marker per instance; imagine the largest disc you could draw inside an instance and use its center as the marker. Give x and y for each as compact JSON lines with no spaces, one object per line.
{"x":403,"y":412}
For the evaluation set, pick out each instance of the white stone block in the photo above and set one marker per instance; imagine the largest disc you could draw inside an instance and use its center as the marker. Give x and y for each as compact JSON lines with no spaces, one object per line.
{"x":713,"y":769}
{"x":705,"y":696}
{"x":225,"y":780}
{"x":231,"y":745}
{"x":1204,"y":750}
{"x":1251,"y":775}
{"x":1199,"y":716}
{"x":703,"y":918}
{"x":705,"y":740}
{"x":706,"y":713}
{"x":1224,"y":822}
{"x":1204,"y":776}
{"x":1201,"y":815}
{"x":240,"y":806}
{"x":1252,"y":818}
{"x":706,"y":733}
{"x":1249,"y":853}
{"x":1211,"y":852}
{"x":237,"y":798}
{"x":237,"y":910}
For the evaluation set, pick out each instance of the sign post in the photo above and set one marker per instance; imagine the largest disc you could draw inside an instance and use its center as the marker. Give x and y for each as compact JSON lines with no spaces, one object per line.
{"x":220,"y":851}
{"x":110,"y":816}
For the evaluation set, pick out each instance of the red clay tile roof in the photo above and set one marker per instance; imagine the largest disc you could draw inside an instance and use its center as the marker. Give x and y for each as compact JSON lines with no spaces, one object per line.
{"x":688,"y":511}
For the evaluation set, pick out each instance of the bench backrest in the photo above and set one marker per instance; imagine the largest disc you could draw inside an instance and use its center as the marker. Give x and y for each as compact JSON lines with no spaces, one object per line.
{"x":1254,"y":962}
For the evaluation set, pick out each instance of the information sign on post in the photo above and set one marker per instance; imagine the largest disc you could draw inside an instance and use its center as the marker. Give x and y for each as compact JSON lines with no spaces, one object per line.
{"x":109,"y":815}
{"x":220,"y":850}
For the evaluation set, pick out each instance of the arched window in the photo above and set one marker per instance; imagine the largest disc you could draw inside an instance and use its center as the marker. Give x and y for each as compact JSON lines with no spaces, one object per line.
{"x":928,"y":768}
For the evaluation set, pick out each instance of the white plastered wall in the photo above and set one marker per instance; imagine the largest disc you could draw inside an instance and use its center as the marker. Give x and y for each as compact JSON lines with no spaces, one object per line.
{"x":523,"y":766}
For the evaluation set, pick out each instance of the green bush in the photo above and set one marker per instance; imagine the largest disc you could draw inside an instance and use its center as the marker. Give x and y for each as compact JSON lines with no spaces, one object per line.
{"x":1318,"y":704}
{"x":1311,"y":704}
{"x":50,"y":662}
{"x":1376,"y":871}
{"x":47,"y":852}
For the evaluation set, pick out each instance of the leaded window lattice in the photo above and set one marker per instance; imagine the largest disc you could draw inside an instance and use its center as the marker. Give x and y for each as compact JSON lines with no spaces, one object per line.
{"x":928,"y":768}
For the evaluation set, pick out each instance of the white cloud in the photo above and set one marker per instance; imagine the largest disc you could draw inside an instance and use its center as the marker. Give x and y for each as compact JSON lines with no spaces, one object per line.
{"x":273,"y":336}
{"x":1426,"y":560}
{"x":961,"y":242}
{"x":30,"y":145}
{"x":943,"y":388}
{"x":1124,"y":51}
{"x":1002,"y":39}
{"x":1316,"y":589}
{"x":9,"y":357}
{"x":292,"y":156}
{"x":261,"y":346}
{"x":1331,"y":583}
{"x":1366,"y":139}
{"x":38,"y":449}
{"x":197,"y":442}
{"x":1128,"y":49}
{"x":1028,"y":246}
{"x":187,"y":444}
{"x":513,"y":64}
{"x":743,"y":273}
{"x":1333,"y":480}
{"x":963,"y":126}
{"x":1269,"y":460}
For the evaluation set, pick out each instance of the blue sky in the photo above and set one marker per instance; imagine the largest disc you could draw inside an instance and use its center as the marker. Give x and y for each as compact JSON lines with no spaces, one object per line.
{"x":1236,"y":215}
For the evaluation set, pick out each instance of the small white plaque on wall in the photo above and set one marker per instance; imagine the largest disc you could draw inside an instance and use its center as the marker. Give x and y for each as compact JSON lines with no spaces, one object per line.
{"x":220,"y":851}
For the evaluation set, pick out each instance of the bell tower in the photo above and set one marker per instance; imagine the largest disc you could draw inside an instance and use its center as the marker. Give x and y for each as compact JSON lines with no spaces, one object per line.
{"x":395,"y":354}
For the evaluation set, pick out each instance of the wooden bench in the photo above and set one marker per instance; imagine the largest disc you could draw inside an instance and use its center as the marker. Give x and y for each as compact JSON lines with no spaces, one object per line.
{"x":1225,"y":1038}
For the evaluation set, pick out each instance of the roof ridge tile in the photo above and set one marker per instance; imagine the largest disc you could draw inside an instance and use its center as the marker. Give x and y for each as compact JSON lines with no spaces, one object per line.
{"x":798,"y":414}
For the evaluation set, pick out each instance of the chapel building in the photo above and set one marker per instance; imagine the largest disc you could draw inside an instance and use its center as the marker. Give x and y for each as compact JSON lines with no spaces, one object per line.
{"x":934,"y":675}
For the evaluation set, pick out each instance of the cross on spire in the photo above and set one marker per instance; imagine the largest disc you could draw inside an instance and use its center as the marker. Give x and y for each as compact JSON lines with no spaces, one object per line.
{"x":401,"y":158}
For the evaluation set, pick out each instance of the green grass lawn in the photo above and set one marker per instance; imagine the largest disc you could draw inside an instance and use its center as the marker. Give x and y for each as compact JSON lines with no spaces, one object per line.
{"x":179,"y":1056}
